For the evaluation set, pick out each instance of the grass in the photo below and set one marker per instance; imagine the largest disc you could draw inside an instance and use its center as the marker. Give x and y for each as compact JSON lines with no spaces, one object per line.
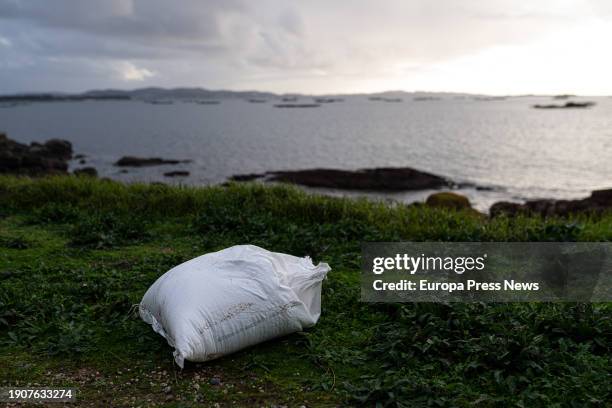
{"x":77,"y":253}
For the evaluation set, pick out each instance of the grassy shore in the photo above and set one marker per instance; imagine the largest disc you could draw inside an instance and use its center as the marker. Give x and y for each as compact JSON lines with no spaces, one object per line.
{"x":77,"y":253}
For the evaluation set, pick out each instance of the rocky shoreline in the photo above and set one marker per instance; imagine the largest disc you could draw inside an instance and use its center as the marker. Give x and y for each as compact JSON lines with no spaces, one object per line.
{"x":598,"y":202}
{"x":53,"y":157}
{"x":34,"y":159}
{"x":406,"y":179}
{"x":376,"y":179}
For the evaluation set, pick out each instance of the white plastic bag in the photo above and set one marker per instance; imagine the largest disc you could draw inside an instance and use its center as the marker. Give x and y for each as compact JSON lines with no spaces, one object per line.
{"x":224,"y":301}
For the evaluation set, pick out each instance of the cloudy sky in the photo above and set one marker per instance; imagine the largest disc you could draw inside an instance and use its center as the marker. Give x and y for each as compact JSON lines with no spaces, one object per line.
{"x":310,"y":46}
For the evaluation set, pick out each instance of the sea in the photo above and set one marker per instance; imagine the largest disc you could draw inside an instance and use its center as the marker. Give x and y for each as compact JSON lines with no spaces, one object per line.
{"x":501,"y":148}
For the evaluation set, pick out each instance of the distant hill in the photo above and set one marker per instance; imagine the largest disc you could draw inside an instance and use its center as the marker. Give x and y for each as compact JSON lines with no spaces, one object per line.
{"x":157,"y":93}
{"x":179,"y":93}
{"x":152,"y":93}
{"x":423,"y":94}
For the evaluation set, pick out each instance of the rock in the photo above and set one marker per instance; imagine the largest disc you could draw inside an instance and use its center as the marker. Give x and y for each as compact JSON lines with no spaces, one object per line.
{"x":215,"y":381}
{"x":167,"y":389}
{"x":176,"y":173}
{"x":60,"y":149}
{"x":82,"y":161}
{"x":598,"y":202}
{"x":378,"y":179}
{"x":602,"y":197}
{"x":35,"y":159}
{"x":246,"y":177}
{"x":504,"y":207}
{"x":86,"y":171}
{"x":540,"y":207}
{"x":567,"y":105}
{"x":448,"y":200}
{"x":132,"y":161}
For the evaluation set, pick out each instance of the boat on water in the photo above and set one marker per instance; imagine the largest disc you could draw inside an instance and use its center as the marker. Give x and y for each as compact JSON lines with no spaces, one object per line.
{"x":563,"y":96}
{"x":160,"y":102}
{"x":382,"y":99}
{"x":297,"y":105}
{"x":490,"y":98}
{"x":328,"y":100}
{"x":426,"y":98}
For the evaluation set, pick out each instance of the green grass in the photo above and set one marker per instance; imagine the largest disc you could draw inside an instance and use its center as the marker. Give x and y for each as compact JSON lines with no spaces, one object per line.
{"x":77,"y":253}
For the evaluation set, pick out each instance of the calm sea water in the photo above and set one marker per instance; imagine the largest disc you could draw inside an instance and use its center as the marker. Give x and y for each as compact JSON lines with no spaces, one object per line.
{"x":521,"y":152}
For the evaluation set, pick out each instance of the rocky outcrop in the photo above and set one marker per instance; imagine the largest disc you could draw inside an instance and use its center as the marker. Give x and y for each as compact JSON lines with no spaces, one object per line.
{"x":177,"y":173}
{"x":452,"y":201}
{"x":378,"y":179}
{"x":56,"y":148}
{"x":131,"y":161}
{"x":600,"y":201}
{"x":567,"y":105}
{"x":246,"y":177}
{"x":86,"y":171}
{"x":505,"y":208}
{"x":50,"y":157}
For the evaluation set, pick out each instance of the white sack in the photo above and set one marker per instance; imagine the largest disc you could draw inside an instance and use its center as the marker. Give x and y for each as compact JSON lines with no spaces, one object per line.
{"x":224,"y":301}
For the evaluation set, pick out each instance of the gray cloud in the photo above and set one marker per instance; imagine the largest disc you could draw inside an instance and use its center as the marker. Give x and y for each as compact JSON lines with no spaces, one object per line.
{"x":75,"y":44}
{"x":152,"y":19}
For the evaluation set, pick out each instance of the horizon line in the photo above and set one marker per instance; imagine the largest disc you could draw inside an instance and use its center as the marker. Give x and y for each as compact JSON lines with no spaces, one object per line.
{"x":198,"y":87}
